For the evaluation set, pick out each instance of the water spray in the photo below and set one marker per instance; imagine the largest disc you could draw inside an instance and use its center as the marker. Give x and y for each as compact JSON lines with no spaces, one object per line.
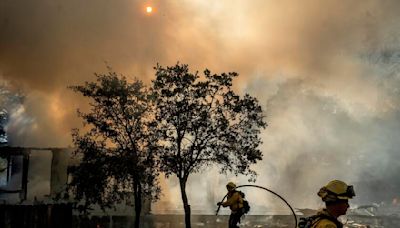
{"x":266,"y":189}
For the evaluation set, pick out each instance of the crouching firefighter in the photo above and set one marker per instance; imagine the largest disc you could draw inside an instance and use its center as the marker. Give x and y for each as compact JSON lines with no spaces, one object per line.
{"x":335,"y":195}
{"x":235,"y":202}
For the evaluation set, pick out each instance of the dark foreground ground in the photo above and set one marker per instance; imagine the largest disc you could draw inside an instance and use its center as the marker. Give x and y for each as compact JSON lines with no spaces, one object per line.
{"x":212,"y":221}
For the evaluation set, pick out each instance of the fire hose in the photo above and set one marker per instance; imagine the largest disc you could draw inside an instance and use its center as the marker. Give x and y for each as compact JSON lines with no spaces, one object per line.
{"x":266,"y":189}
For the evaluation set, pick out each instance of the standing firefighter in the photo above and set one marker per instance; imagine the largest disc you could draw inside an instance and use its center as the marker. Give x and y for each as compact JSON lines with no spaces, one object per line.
{"x":335,"y":195}
{"x":235,"y":203}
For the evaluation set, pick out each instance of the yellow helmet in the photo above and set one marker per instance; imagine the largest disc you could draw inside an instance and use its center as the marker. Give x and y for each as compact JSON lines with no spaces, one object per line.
{"x":336,"y":190}
{"x":231,"y":185}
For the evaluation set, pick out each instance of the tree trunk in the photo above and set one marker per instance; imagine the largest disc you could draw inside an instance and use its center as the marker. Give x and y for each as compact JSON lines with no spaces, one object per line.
{"x":186,"y":206}
{"x":138,"y":204}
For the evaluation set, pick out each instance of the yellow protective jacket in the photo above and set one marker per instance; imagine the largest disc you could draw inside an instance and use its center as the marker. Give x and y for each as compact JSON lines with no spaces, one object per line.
{"x":324,"y":222}
{"x":234,"y":201}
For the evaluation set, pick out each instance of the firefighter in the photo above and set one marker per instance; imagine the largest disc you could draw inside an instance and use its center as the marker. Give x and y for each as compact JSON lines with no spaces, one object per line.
{"x":336,"y":195}
{"x":235,"y":202}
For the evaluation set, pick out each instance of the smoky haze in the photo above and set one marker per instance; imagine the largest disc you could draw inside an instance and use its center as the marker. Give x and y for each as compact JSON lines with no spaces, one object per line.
{"x":326,"y":73}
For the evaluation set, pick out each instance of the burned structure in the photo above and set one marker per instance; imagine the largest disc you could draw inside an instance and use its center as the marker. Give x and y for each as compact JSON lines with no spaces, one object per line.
{"x":21,"y":170}
{"x":26,"y":197}
{"x":39,"y":176}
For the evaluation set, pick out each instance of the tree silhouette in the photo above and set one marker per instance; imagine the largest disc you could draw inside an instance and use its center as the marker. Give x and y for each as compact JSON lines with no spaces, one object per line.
{"x":117,"y":150}
{"x":202,"y":122}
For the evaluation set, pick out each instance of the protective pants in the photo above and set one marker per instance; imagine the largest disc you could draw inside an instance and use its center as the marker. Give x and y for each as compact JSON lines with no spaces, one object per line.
{"x":234,"y":219}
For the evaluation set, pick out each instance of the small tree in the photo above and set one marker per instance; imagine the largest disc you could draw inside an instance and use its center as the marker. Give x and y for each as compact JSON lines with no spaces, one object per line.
{"x":203,"y":122}
{"x":117,"y":151}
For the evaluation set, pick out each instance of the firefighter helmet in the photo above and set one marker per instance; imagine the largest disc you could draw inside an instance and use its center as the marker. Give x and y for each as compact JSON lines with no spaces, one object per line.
{"x":231,"y":185}
{"x":336,"y":190}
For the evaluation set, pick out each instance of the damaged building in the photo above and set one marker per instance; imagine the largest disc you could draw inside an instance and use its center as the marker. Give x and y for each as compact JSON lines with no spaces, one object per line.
{"x":32,"y":175}
{"x":32,"y":180}
{"x":29,"y":180}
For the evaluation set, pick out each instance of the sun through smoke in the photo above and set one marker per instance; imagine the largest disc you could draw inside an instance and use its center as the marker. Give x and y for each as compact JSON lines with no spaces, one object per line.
{"x":149,"y":9}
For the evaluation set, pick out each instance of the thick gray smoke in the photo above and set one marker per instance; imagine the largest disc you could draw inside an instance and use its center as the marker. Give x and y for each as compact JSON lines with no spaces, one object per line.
{"x":327,"y":74}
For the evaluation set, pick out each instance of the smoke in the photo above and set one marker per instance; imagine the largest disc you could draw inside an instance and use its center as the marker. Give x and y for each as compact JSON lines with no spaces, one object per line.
{"x":327,"y":74}
{"x":39,"y":175}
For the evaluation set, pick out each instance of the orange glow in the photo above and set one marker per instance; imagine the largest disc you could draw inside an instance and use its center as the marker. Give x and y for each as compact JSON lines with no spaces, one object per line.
{"x":149,"y":9}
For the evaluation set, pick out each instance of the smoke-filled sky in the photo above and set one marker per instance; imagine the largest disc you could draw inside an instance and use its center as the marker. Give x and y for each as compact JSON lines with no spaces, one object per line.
{"x":327,"y":73}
